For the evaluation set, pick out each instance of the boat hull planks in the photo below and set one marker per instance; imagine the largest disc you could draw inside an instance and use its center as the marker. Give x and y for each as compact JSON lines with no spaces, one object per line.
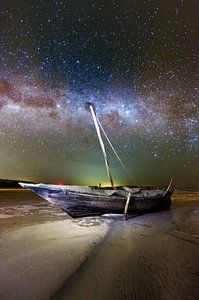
{"x":101,"y":201}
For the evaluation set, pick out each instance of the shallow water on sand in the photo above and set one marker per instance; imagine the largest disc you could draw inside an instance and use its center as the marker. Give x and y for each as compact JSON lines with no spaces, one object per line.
{"x":22,"y":207}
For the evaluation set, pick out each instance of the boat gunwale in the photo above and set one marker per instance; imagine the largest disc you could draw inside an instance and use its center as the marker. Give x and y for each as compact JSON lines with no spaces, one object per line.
{"x":114,"y":194}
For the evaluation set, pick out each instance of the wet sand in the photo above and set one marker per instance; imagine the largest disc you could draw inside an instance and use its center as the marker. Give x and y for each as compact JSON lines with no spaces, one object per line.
{"x":47,"y":255}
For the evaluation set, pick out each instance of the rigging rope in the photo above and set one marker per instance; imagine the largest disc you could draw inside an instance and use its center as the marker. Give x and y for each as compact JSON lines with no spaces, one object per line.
{"x":124,"y":167}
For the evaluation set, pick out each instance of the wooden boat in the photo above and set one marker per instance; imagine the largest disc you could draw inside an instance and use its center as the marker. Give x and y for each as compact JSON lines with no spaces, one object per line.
{"x":81,"y":201}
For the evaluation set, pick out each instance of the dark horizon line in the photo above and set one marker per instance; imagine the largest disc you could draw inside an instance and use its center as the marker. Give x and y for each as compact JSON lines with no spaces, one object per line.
{"x":14,"y":183}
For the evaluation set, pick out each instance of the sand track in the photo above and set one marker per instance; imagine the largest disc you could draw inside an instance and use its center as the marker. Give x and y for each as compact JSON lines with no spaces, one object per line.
{"x":145,"y":258}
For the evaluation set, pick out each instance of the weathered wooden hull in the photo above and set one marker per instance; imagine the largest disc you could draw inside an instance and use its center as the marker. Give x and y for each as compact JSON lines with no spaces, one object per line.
{"x":81,"y":204}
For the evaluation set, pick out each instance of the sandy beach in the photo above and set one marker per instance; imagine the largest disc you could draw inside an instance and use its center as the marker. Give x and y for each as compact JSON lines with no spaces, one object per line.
{"x":47,"y":255}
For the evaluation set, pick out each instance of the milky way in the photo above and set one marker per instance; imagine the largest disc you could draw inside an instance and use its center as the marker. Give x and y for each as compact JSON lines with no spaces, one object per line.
{"x":136,"y":61}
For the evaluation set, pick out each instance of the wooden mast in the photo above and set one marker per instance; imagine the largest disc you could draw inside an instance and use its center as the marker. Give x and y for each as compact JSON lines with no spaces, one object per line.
{"x":102,"y":145}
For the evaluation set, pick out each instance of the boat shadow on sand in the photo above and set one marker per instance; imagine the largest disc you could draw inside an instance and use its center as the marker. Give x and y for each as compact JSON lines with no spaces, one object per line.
{"x":145,"y":218}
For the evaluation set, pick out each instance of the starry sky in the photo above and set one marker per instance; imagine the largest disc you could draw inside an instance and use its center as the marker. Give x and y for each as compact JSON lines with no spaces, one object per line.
{"x":137,"y":61}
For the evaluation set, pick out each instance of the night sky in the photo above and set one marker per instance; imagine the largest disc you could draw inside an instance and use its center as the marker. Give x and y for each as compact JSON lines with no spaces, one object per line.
{"x":137,"y":61}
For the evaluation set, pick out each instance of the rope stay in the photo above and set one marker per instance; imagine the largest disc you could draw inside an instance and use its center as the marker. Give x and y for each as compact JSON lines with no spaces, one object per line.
{"x":108,"y":140}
